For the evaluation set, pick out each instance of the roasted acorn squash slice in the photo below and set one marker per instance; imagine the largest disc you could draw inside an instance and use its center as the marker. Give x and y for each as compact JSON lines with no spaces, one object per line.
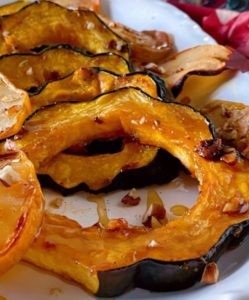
{"x":30,"y":70}
{"x":86,"y":83}
{"x":134,"y":166}
{"x":56,"y":128}
{"x":96,"y":171}
{"x":82,"y":85}
{"x":46,"y":23}
{"x":14,"y":7}
{"x":108,"y":262}
{"x":133,"y":175}
{"x":14,"y":108}
{"x":21,"y":207}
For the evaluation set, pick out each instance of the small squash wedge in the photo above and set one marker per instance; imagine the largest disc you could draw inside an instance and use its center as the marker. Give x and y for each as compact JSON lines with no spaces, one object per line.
{"x":31,"y":70}
{"x":46,"y":23}
{"x":231,"y":122}
{"x":200,"y":60}
{"x":86,"y":83}
{"x":21,"y":207}
{"x":14,"y":108}
{"x":108,"y":262}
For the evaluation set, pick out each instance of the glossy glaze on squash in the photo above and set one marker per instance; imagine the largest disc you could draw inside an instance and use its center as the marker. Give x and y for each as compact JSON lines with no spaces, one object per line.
{"x":57,"y":123}
{"x":131,"y":175}
{"x":125,"y":256}
{"x":82,"y":85}
{"x":31,"y":70}
{"x":21,"y":207}
{"x":96,"y":171}
{"x":46,"y":23}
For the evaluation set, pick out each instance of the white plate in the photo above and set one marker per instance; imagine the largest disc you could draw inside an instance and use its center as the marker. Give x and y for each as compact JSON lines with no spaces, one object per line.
{"x":24,"y":282}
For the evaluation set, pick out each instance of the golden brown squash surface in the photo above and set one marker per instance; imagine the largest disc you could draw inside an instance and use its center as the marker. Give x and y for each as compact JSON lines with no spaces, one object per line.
{"x":21,"y":207}
{"x":32,"y":70}
{"x":50,"y":130}
{"x":46,"y":23}
{"x":85,"y":84}
{"x":223,"y":201}
{"x":96,"y":171}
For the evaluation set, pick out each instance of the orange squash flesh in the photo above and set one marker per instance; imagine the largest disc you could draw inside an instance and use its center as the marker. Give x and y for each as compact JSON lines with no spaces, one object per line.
{"x":96,"y":171}
{"x":47,"y":132}
{"x":21,"y":207}
{"x":82,"y":85}
{"x":29,"y":70}
{"x":14,"y":108}
{"x":83,"y":252}
{"x":46,"y":23}
{"x":85,"y":84}
{"x":14,"y":7}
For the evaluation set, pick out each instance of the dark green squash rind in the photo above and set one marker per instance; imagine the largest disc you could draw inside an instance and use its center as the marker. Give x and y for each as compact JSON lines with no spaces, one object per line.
{"x":64,"y":8}
{"x":67,"y":47}
{"x":162,"y":91}
{"x":153,"y":173}
{"x":162,"y":276}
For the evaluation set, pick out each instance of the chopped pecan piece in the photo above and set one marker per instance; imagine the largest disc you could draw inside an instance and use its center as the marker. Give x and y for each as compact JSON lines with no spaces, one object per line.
{"x":131,"y":199}
{"x":210,"y":274}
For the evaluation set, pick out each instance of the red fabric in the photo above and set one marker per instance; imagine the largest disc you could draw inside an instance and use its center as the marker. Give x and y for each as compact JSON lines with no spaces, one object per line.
{"x":195,"y":12}
{"x":234,"y":32}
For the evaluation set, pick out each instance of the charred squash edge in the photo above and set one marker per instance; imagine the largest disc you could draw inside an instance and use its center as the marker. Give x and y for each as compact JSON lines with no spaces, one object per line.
{"x":64,"y":8}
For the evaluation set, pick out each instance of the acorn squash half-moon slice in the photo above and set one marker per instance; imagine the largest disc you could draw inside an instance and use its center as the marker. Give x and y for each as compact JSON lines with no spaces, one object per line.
{"x":47,"y":23}
{"x":108,"y":262}
{"x":86,"y":83}
{"x":14,"y":7}
{"x":31,"y":70}
{"x":132,"y":170}
{"x":82,"y":85}
{"x":21,"y":207}
{"x":96,"y":171}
